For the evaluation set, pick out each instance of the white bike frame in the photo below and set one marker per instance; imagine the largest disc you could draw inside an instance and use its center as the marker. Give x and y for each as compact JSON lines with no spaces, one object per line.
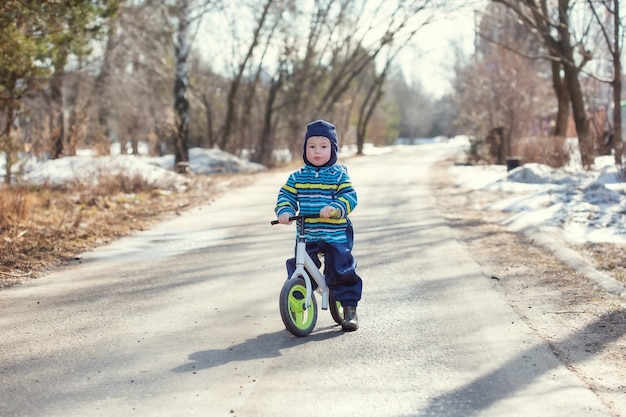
{"x":306,"y":268}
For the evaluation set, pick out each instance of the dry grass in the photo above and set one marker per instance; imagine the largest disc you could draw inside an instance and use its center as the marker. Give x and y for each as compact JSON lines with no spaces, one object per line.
{"x":550,"y":151}
{"x":609,"y":258}
{"x":43,"y":228}
{"x":14,"y":208}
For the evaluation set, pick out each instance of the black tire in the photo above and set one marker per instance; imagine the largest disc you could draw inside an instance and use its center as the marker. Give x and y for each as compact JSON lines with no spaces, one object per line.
{"x":336,"y":310}
{"x":298,"y":320}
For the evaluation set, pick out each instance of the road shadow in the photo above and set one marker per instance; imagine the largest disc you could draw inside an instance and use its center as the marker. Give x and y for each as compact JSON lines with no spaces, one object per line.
{"x":267,"y":345}
{"x":475,"y":397}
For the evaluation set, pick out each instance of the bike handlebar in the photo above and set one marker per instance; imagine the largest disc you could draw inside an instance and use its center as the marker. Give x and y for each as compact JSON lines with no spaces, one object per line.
{"x":334,"y":214}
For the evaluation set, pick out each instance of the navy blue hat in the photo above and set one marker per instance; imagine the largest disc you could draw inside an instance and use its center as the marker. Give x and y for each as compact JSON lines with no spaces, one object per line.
{"x":327,"y":130}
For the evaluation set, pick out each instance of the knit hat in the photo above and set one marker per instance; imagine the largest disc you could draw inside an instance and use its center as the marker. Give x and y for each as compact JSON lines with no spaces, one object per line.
{"x":327,"y":130}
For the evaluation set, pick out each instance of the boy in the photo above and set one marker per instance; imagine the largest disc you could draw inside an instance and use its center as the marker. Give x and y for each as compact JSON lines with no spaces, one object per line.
{"x":323,"y":187}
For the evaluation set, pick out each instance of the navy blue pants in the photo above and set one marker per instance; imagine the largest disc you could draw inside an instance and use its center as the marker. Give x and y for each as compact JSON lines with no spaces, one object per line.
{"x":339,"y":269}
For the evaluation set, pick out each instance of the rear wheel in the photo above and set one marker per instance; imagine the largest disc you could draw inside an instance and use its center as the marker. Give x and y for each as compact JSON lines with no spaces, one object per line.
{"x":298,"y":319}
{"x":336,"y":310}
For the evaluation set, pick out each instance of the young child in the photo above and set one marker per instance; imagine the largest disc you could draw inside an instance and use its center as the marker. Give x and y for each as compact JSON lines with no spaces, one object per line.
{"x":323,"y":187}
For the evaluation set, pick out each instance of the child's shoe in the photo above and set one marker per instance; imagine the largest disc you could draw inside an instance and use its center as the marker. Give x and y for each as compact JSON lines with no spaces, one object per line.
{"x":350,"y":320}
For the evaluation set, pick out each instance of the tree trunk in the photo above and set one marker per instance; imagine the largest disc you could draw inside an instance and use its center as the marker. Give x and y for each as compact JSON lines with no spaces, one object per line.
{"x":78,"y":114}
{"x":181,"y":103}
{"x":266,"y":142}
{"x":57,"y":120}
{"x":618,"y":145}
{"x":231,"y":111}
{"x":208,"y":114}
{"x":6,"y":142}
{"x":505,"y":140}
{"x":617,"y":88}
{"x":581,"y":121}
{"x":370,"y":102}
{"x":77,"y":128}
{"x":102,"y":82}
{"x":367,"y":109}
{"x":579,"y":112}
{"x":57,"y":129}
{"x":562,"y":96}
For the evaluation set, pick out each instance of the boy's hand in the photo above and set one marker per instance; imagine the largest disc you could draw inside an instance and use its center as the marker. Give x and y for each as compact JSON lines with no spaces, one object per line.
{"x":284,"y":218}
{"x":329,"y":212}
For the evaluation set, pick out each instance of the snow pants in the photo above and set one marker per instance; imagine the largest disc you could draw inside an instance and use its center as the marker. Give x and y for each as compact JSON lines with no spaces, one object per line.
{"x":339,"y":269}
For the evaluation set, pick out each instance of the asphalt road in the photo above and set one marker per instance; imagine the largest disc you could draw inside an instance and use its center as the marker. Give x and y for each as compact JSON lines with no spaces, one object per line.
{"x":183,"y":320}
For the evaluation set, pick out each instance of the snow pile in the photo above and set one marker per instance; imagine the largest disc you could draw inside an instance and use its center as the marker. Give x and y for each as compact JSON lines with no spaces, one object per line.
{"x":586,"y":206}
{"x":210,"y":161}
{"x":88,"y":170}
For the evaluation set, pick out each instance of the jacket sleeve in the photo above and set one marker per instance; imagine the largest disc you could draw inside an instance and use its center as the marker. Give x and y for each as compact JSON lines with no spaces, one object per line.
{"x":346,"y":199}
{"x":287,"y":201}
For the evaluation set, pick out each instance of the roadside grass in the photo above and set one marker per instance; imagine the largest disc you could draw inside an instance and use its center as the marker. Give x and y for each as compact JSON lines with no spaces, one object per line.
{"x":609,"y":258}
{"x":45,"y":227}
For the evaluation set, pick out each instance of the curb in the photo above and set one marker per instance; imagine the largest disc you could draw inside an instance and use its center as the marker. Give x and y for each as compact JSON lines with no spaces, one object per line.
{"x":574,"y":260}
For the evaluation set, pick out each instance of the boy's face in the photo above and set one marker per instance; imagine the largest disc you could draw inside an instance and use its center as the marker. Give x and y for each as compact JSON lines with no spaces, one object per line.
{"x":318,"y":150}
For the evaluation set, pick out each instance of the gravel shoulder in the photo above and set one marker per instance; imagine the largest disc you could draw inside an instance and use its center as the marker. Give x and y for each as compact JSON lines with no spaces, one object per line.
{"x":582,"y":323}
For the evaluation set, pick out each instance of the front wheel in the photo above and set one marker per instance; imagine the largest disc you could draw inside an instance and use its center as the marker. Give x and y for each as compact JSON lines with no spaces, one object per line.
{"x":336,"y":310}
{"x":298,"y":319}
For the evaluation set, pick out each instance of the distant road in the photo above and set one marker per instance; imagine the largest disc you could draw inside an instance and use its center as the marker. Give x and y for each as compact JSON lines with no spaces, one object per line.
{"x":183,"y":320}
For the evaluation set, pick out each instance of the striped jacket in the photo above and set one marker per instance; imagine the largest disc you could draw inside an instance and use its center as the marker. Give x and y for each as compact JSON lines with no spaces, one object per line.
{"x":310,"y":189}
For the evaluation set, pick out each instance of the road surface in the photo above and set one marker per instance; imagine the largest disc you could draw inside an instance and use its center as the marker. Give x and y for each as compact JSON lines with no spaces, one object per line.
{"x":183,"y":320}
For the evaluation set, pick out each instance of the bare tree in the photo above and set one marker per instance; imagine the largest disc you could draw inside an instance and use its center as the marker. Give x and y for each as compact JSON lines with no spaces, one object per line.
{"x":32,"y":33}
{"x":101,"y":90}
{"x":553,"y":26}
{"x":181,"y":103}
{"x":498,"y":96}
{"x":231,"y":112}
{"x":412,"y":103}
{"x":501,"y":28}
{"x":614,"y":43}
{"x":132,"y":88}
{"x":71,"y":28}
{"x":189,"y":15}
{"x":77,"y":104}
{"x":394,"y":39}
{"x":338,"y":56}
{"x":263,"y":146}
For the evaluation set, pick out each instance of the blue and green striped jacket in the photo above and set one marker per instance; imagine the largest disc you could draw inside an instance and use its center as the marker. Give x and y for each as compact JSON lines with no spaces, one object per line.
{"x":310,"y":189}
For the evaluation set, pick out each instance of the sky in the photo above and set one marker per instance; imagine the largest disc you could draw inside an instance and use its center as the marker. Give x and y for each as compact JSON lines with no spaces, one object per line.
{"x":431,"y":60}
{"x":581,"y":206}
{"x":428,"y":60}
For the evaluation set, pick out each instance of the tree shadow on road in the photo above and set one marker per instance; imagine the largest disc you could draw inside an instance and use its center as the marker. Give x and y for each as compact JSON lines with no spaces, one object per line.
{"x":266,"y":345}
{"x":519,"y":372}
